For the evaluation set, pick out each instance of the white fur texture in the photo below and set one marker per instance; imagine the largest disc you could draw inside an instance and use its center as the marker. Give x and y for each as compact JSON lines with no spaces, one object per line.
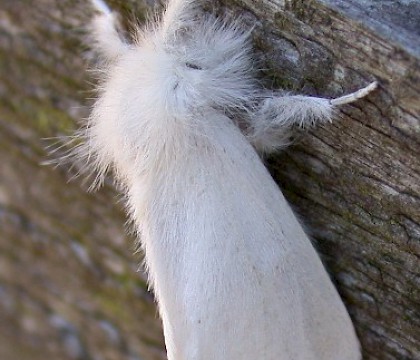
{"x":234,"y":274}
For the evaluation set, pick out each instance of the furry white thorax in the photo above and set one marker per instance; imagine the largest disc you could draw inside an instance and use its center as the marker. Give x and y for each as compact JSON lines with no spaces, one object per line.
{"x":234,"y":274}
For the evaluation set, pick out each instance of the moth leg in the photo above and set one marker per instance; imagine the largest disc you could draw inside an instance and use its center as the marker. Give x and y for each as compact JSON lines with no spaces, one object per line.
{"x":272,"y":121}
{"x":104,"y":34}
{"x":349,"y":98}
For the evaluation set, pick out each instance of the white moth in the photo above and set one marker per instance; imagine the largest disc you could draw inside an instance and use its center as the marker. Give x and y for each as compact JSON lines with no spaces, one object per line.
{"x":234,"y":274}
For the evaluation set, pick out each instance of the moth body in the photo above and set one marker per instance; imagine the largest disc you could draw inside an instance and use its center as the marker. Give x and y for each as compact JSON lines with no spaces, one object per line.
{"x":234,"y":274}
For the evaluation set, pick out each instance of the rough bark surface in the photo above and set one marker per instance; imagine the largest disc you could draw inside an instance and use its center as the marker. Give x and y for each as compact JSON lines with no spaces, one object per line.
{"x":68,"y":282}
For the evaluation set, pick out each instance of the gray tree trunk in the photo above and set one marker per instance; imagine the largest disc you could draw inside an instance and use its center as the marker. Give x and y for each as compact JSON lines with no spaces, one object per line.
{"x":68,"y":282}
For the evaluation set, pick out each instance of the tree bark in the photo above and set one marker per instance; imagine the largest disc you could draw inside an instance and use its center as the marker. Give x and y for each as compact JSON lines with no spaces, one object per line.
{"x":68,"y":282}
